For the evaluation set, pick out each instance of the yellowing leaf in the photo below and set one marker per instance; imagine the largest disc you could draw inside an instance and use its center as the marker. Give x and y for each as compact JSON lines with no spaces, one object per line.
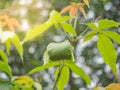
{"x":113,"y":86}
{"x":99,"y":88}
{"x":86,"y":2}
{"x":73,"y":11}
{"x":81,"y":9}
{"x":66,"y":9}
{"x":25,"y":80}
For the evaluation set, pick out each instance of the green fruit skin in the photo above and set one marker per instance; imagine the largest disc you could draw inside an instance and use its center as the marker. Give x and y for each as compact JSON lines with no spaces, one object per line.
{"x":59,"y":51}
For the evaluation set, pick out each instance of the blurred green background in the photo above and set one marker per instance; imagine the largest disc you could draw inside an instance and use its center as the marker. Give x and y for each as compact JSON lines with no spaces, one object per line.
{"x":33,"y":12}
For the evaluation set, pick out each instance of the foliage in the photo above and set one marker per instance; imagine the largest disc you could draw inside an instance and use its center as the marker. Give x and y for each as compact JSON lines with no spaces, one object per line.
{"x":59,"y":55}
{"x":104,"y":44}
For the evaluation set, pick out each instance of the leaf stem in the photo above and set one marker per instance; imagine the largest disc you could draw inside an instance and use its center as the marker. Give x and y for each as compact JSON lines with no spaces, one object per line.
{"x":60,"y":70}
{"x":83,"y":33}
{"x":75,"y":22}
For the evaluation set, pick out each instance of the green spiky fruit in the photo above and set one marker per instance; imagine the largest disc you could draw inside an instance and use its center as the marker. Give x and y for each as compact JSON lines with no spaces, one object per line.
{"x":59,"y":51}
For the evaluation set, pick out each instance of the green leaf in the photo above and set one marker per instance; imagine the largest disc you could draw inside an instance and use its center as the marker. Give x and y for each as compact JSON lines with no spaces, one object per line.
{"x":18,"y":45}
{"x":5,"y":68}
{"x":64,"y":18}
{"x":78,"y":70}
{"x":37,"y":86}
{"x":8,"y":44}
{"x":60,"y":20}
{"x":113,"y":35}
{"x":51,"y":64}
{"x":103,"y":24}
{"x":6,"y":85}
{"x":92,"y":26}
{"x":63,"y":78}
{"x":27,"y":88}
{"x":16,"y":42}
{"x":57,"y":26}
{"x":90,"y":35}
{"x":46,"y":57}
{"x":68,"y":28}
{"x":37,"y":30}
{"x":55,"y":18}
{"x":107,"y":51}
{"x":4,"y":56}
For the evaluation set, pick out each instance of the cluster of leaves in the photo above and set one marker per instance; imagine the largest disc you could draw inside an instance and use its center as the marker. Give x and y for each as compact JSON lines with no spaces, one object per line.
{"x":104,"y":43}
{"x":8,"y":37}
{"x":18,"y":83}
{"x":10,"y":22}
{"x":64,"y":60}
{"x":74,"y":8}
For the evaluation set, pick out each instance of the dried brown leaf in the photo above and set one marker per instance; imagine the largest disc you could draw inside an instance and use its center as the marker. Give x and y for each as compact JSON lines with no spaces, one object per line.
{"x":10,"y":22}
{"x":81,"y":9}
{"x":73,"y":11}
{"x":86,"y":3}
{"x":16,"y":23}
{"x":11,"y":27}
{"x":66,"y":9}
